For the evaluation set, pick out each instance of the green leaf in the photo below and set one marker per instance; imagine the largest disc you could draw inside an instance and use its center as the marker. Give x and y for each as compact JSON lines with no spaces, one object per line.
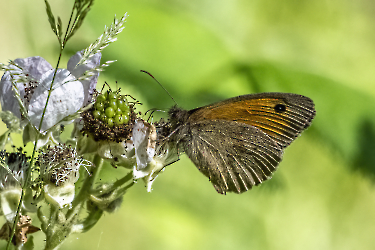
{"x":51,"y":18}
{"x":82,"y":8}
{"x":90,"y":221}
{"x":59,"y":28}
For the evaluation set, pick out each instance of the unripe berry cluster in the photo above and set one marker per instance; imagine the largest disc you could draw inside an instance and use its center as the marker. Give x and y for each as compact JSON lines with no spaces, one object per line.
{"x":112,"y":109}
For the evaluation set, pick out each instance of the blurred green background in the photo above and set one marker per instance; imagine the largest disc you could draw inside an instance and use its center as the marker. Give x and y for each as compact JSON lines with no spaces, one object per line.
{"x":323,"y":195}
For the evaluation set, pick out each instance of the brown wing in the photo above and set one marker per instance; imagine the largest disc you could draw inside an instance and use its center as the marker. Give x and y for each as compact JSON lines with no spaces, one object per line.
{"x":282,"y":116}
{"x":234,"y":156}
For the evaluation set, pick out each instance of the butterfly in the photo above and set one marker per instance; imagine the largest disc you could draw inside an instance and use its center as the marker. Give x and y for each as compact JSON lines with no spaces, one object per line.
{"x":239,"y":142}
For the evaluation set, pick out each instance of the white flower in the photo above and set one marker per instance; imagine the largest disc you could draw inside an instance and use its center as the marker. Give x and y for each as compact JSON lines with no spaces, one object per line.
{"x":151,"y":157}
{"x":33,"y":78}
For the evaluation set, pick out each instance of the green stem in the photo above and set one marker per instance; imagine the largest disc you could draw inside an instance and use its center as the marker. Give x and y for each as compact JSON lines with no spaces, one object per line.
{"x":98,"y":165}
{"x":58,"y":228}
{"x":123,"y":180}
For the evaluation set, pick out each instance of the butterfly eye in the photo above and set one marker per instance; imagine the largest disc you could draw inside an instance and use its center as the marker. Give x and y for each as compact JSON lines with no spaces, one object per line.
{"x":280,"y":108}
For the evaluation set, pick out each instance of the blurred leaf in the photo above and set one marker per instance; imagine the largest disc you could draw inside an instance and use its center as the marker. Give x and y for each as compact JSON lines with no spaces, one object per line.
{"x":82,"y":7}
{"x":51,"y":18}
{"x":29,"y":245}
{"x":59,"y":28}
{"x":364,"y":160}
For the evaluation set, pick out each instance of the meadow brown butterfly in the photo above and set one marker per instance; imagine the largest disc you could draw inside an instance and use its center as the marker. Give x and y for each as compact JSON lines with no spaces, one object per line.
{"x":238,"y":143}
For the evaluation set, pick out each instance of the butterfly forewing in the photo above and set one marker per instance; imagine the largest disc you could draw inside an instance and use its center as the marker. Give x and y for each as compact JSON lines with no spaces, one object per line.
{"x":234,"y":157}
{"x":281,"y":116}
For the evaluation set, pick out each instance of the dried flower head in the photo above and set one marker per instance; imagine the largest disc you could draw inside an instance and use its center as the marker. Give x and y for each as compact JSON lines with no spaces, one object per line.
{"x":59,"y":171}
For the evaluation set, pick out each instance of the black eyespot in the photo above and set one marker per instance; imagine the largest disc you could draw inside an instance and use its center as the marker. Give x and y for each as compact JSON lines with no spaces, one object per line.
{"x":280,"y":108}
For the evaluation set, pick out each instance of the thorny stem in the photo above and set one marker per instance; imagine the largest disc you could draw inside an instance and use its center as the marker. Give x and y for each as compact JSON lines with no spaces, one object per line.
{"x":28,"y":174}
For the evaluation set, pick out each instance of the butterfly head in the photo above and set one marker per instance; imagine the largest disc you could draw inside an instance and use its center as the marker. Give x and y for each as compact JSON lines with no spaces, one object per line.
{"x":177,"y":116}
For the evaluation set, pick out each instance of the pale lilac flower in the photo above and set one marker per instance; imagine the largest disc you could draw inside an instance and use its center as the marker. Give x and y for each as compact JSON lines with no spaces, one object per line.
{"x":68,"y":96}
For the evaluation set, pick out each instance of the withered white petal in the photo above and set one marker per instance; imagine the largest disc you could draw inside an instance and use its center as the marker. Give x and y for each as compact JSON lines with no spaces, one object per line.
{"x":144,"y":136}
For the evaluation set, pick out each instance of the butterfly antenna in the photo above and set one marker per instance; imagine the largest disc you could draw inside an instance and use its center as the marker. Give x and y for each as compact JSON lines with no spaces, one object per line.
{"x":144,"y":71}
{"x":152,"y":112}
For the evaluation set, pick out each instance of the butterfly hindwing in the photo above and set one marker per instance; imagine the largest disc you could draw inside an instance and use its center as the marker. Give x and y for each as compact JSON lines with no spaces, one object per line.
{"x":233,"y":156}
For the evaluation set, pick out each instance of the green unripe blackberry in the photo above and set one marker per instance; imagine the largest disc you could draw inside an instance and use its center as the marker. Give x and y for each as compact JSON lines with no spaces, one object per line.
{"x":110,"y":122}
{"x":110,"y":112}
{"x":111,"y":108}
{"x":126,"y":118}
{"x":123,"y":104}
{"x":118,"y":111}
{"x":96,"y":114}
{"x":112,"y":95}
{"x":103,"y":117}
{"x":101,"y":98}
{"x":119,"y":119}
{"x":112,"y":103}
{"x":99,"y":106}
